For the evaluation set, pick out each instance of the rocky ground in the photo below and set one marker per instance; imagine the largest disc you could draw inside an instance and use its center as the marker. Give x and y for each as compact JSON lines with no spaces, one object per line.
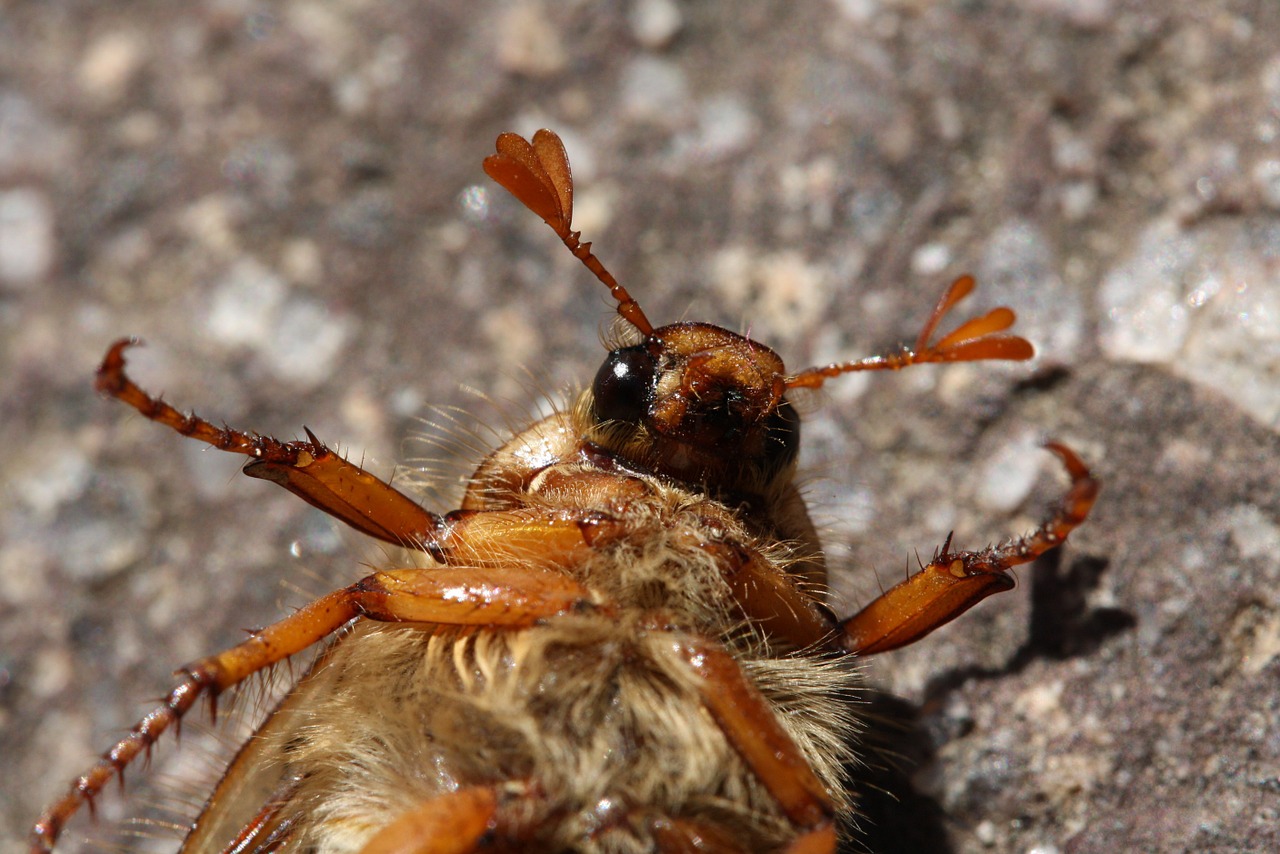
{"x":285,"y":201}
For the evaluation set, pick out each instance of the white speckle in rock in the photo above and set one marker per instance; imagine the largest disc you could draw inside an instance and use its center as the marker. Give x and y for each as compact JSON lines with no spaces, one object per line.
{"x":50,"y":475}
{"x":725,"y":126}
{"x":23,"y":581}
{"x":507,"y":330}
{"x":1144,"y":315}
{"x":783,"y":291}
{"x":406,"y":402}
{"x":29,"y":141}
{"x":351,"y":94}
{"x":390,"y":62}
{"x":948,"y":118}
{"x":1252,"y":532}
{"x":655,"y":90}
{"x":654,"y":23}
{"x":1090,"y":14}
{"x":212,"y":220}
{"x":1205,"y":304}
{"x":1184,"y":459}
{"x":593,"y":208}
{"x":1043,"y":849}
{"x":51,"y":672}
{"x":930,"y":259}
{"x":306,"y":342}
{"x":1018,"y":269}
{"x":1266,"y":175}
{"x":105,"y":530}
{"x":110,"y":64}
{"x":1258,"y":644}
{"x":1269,"y":77}
{"x":986,"y":833}
{"x":528,"y":42}
{"x":1009,"y":475}
{"x":300,"y":261}
{"x":858,"y":11}
{"x":26,"y":236}
{"x":1077,"y":199}
{"x":1042,"y":704}
{"x":246,"y":302}
{"x":328,"y":33}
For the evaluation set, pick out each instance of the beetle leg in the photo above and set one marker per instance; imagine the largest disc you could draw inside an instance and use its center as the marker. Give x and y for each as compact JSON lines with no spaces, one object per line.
{"x":500,"y":537}
{"x":268,"y":829}
{"x":454,"y":823}
{"x":954,"y":582}
{"x":308,"y":469}
{"x":821,"y":840}
{"x":770,"y":598}
{"x":326,"y":481}
{"x":463,"y":596}
{"x":752,"y":728}
{"x":685,"y":836}
{"x":503,"y":537}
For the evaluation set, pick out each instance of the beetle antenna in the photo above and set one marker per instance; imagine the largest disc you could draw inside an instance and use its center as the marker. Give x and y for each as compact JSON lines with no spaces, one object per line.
{"x":538,"y":175}
{"x":975,"y":340}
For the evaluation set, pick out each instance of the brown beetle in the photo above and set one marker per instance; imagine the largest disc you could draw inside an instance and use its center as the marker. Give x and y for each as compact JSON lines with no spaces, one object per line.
{"x":620,"y":642}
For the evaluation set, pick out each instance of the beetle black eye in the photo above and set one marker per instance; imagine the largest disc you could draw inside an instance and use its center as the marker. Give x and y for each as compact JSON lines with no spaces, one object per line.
{"x":624,"y":385}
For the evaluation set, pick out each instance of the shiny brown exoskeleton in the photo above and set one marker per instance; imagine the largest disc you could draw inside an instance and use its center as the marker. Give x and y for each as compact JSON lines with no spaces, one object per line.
{"x":620,"y":641}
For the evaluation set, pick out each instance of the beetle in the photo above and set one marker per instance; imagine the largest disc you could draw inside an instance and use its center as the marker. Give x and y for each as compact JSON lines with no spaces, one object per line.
{"x":618,"y":642}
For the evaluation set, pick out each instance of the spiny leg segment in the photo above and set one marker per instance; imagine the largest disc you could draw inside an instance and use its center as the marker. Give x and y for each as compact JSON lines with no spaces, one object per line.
{"x":462,"y":596}
{"x":308,"y":469}
{"x":954,"y":582}
{"x":330,"y":483}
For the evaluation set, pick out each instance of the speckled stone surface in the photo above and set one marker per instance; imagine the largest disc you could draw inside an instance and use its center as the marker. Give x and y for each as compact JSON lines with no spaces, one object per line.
{"x":285,"y":201}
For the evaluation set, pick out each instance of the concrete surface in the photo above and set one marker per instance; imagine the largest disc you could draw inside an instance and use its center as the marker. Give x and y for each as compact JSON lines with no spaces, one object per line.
{"x":285,"y":200}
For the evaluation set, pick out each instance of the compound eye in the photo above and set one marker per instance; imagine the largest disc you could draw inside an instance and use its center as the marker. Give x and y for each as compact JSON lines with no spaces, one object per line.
{"x":624,"y":385}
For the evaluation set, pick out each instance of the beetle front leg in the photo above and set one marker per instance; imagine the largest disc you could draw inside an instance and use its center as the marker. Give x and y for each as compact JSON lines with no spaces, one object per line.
{"x":954,"y":582}
{"x":308,"y":469}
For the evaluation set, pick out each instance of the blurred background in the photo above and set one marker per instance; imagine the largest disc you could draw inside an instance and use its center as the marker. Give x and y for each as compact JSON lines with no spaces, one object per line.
{"x":285,"y":200}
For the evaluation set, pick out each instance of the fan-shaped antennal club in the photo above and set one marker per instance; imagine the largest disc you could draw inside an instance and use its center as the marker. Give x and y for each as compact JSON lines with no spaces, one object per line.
{"x":537,"y":173}
{"x":975,"y":340}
